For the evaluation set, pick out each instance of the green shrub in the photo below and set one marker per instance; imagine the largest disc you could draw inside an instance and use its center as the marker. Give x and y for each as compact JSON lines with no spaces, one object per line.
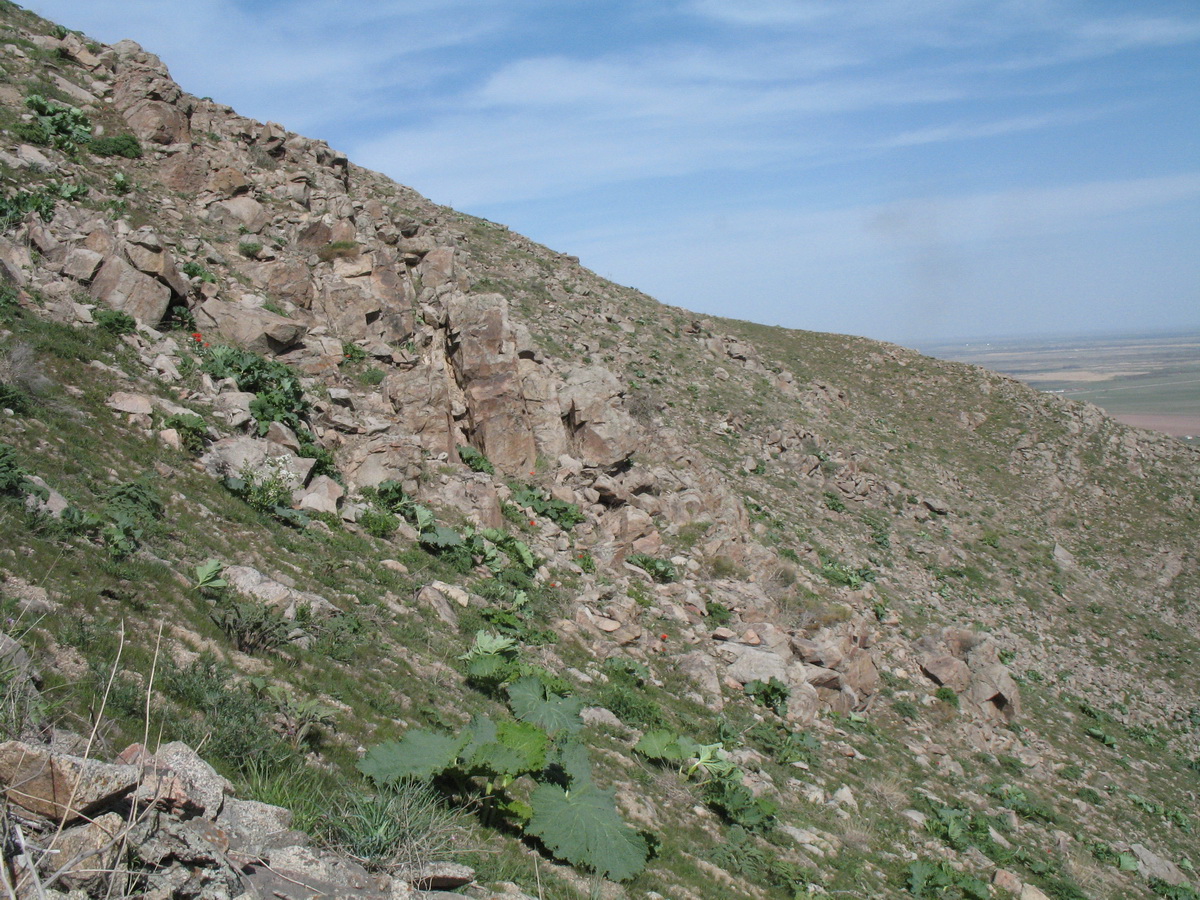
{"x":193,"y":269}
{"x":114,"y":321}
{"x":378,"y":524}
{"x":906,"y":709}
{"x":279,"y":395}
{"x":661,"y":570}
{"x":736,"y":803}
{"x":574,"y":820}
{"x":192,"y":430}
{"x":235,"y":731}
{"x":339,"y":250}
{"x":352,"y":353}
{"x":947,"y":695}
{"x":372,"y":376}
{"x":125,"y":145}
{"x":840,"y":574}
{"x":56,"y":125}
{"x":475,"y":460}
{"x":834,"y":502}
{"x":936,"y":879}
{"x":250,"y":624}
{"x":784,"y":745}
{"x":565,"y":515}
{"x":400,"y":828}
{"x":772,"y":694}
{"x":268,"y":489}
{"x":718,"y":612}
{"x":250,"y":249}
{"x":16,"y":206}
{"x":14,"y":480}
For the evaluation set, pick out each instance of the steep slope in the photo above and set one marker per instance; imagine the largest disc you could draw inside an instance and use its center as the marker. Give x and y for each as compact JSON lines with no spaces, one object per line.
{"x":940,"y":625}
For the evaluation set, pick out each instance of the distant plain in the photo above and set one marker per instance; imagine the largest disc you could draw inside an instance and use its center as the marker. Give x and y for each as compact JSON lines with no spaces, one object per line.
{"x":1148,"y":381}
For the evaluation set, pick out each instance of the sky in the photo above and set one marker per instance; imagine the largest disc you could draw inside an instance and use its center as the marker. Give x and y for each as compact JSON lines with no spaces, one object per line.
{"x":909,"y":170}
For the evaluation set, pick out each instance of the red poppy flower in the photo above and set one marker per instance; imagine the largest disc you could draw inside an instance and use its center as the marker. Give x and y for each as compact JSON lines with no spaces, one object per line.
{"x":662,"y":637}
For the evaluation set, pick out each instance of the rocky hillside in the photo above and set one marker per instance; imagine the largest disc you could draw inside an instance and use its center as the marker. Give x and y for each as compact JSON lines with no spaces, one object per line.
{"x":445,"y":553}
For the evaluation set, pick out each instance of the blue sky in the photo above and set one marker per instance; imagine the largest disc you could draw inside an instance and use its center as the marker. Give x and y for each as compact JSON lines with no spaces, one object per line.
{"x":910,"y":170}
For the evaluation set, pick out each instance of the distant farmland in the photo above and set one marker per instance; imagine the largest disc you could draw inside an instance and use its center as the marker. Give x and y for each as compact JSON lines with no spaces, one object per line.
{"x":1150,"y":381}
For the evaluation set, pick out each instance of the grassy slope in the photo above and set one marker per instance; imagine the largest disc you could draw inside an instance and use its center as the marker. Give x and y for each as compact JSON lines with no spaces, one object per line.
{"x":393,"y":664}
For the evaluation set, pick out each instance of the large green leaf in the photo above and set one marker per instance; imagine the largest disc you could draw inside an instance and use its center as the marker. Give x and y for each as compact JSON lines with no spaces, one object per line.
{"x":531,"y":702}
{"x":419,"y":754}
{"x":584,"y":828}
{"x":572,"y":757}
{"x":515,"y":749}
{"x":661,"y":744}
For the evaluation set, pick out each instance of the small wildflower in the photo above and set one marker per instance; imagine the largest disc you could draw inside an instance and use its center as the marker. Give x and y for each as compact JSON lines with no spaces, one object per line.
{"x":662,"y":637}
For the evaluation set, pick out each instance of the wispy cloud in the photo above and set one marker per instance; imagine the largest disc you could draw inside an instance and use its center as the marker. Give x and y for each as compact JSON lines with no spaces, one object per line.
{"x":874,"y":138}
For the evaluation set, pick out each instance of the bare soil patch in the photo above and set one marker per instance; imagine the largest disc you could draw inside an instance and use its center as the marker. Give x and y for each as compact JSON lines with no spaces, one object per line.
{"x":1176,"y":426}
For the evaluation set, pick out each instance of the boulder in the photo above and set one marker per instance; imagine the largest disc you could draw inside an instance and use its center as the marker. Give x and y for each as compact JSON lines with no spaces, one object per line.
{"x":250,"y":582}
{"x":600,"y":432}
{"x":122,"y":287}
{"x":145,"y":250}
{"x":133,"y":404}
{"x":82,"y":264}
{"x":860,"y":673}
{"x":205,"y":789}
{"x":944,"y":669}
{"x":237,"y":455}
{"x":59,"y":786}
{"x":803,"y":705}
{"x":158,"y":123}
{"x":321,"y":495}
{"x":993,"y":690}
{"x":1151,"y":865}
{"x":753,"y":664}
{"x":254,"y":827}
{"x":89,"y":851}
{"x":701,"y":670}
{"x":240,"y":212}
{"x":255,"y":329}
{"x":484,"y":357}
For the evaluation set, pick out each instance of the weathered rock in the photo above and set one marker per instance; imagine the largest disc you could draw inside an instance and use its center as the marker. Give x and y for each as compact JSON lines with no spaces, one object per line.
{"x":803,"y":705}
{"x":753,"y":664}
{"x":860,"y":673}
{"x":321,"y":495}
{"x":255,"y":329}
{"x":82,"y":264}
{"x":442,"y":876}
{"x":134,"y":404}
{"x":442,"y":598}
{"x":89,"y":851}
{"x":157,"y":122}
{"x":60,"y":786}
{"x":947,"y":670}
{"x":146,"y":251}
{"x":240,"y":212}
{"x":124,"y":288}
{"x":600,"y":432}
{"x":701,"y":669}
{"x":994,"y":691}
{"x":46,"y":501}
{"x":234,"y":407}
{"x":250,"y":582}
{"x":1151,"y":865}
{"x":238,"y":455}
{"x":484,"y":355}
{"x":254,"y":827}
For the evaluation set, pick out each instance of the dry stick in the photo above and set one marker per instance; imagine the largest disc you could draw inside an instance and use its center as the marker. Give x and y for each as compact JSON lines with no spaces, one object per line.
{"x":28,"y":862}
{"x":87,"y":752}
